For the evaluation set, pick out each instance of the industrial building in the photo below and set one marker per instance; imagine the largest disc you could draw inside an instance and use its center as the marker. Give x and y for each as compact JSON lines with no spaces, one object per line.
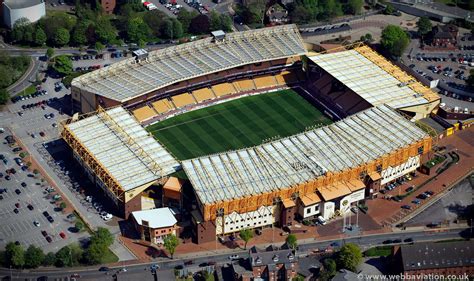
{"x":321,"y":172}
{"x":13,"y":10}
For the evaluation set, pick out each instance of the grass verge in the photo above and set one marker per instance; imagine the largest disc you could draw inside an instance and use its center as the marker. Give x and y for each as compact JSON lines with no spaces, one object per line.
{"x":380,"y":251}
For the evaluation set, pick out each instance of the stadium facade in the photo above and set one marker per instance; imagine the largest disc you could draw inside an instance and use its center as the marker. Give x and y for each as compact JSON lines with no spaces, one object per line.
{"x":319,"y":172}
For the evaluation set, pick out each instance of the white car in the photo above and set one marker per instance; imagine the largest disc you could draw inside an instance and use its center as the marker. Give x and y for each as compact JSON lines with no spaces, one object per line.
{"x":107,"y":217}
{"x":234,"y":257}
{"x":36,"y":223}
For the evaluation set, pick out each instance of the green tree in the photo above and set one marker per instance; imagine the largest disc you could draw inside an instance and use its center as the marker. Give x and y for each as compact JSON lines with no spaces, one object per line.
{"x":424,"y":26}
{"x":22,"y":31}
{"x":34,"y":257}
{"x":215,"y":20}
{"x":4,"y":96}
{"x":329,"y":269}
{"x":298,"y":278}
{"x":200,"y":25}
{"x":185,"y":17}
{"x":79,"y":225}
{"x":61,"y":37}
{"x":246,"y":235}
{"x":49,"y":259}
{"x":64,"y":257}
{"x":102,"y":236}
{"x":349,"y":256}
{"x":14,"y":255}
{"x":99,"y":46}
{"x":63,"y":65}
{"x":167,"y":29}
{"x":105,"y":31}
{"x":354,"y":6}
{"x":170,"y":243}
{"x":292,"y":241}
{"x":177,"y":28}
{"x":301,"y":15}
{"x":79,"y":34}
{"x":137,"y":29}
{"x":94,"y":253}
{"x":40,"y":37}
{"x":7,"y":76}
{"x":50,"y":53}
{"x":389,"y":9}
{"x":62,"y":205}
{"x":394,"y":40}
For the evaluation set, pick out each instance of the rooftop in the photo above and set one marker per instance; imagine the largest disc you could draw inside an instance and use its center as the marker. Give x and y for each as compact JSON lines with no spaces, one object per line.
{"x":437,"y":255}
{"x":356,"y":140}
{"x":127,"y":79}
{"x":374,"y":78}
{"x":123,"y":147}
{"x":156,"y":218}
{"x":21,"y":4}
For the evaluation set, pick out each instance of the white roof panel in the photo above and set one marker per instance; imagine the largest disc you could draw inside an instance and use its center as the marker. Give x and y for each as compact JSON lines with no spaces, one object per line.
{"x":123,"y":147}
{"x":156,"y":218}
{"x":128,"y":79}
{"x":367,"y":79}
{"x":346,"y":144}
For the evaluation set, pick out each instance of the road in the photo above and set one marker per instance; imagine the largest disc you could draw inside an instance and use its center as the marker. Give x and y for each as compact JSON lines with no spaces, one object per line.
{"x":139,"y":271}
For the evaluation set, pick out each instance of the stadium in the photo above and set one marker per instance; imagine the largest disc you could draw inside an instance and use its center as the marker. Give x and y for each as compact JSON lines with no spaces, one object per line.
{"x":264,"y":130}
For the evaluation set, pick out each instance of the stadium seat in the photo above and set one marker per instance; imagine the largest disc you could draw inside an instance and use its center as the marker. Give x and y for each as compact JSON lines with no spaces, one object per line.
{"x":162,"y":106}
{"x":183,"y":100}
{"x":289,"y":77}
{"x":223,"y":89}
{"x":203,"y":94}
{"x":265,"y":81}
{"x":143,"y":113}
{"x":244,"y":85}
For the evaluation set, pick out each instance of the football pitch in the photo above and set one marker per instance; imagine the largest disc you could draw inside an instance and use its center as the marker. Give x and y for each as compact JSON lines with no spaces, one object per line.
{"x":236,"y":124}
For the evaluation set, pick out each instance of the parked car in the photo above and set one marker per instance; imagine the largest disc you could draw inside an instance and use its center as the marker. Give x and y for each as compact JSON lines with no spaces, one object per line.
{"x":406,"y":207}
{"x":234,"y":257}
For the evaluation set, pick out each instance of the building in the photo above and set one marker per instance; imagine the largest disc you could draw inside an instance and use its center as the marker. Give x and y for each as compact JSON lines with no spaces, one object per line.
{"x":154,"y":225}
{"x":444,"y":36}
{"x":267,"y":265}
{"x":108,"y":5}
{"x":320,"y":172}
{"x":438,"y":258}
{"x":14,"y":10}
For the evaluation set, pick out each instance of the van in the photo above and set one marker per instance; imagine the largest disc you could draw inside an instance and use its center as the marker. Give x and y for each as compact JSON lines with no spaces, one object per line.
{"x":321,"y":220}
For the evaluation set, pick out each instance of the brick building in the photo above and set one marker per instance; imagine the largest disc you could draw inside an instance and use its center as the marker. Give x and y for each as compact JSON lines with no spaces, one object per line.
{"x":154,"y":225}
{"x":448,"y":258}
{"x":108,"y":6}
{"x":444,"y":36}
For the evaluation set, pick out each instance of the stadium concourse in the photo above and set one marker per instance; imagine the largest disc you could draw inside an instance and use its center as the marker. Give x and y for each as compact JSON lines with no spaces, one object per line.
{"x":316,"y":171}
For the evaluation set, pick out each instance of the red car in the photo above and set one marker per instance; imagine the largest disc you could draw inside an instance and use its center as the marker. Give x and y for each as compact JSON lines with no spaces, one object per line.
{"x":17,"y":205}
{"x":62,"y":234}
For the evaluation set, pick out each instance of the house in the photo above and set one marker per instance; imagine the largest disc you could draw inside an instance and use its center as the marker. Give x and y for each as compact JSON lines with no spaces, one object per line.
{"x":154,"y":225}
{"x":108,"y":6}
{"x":267,"y":265}
{"x":446,"y":258}
{"x":277,"y":14}
{"x":444,"y":36}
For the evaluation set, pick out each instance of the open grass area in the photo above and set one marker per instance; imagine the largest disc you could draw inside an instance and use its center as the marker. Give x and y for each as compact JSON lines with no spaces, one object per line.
{"x":237,"y":124}
{"x":28,"y":91}
{"x":381,"y":251}
{"x":109,"y":257}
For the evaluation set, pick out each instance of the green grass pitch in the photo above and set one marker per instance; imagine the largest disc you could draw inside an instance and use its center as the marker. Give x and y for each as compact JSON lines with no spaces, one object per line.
{"x":237,"y":124}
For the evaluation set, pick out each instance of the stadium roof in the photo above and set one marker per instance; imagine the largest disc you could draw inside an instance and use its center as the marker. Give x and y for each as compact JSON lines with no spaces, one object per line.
{"x":21,"y":4}
{"x":358,"y":139}
{"x":123,"y":148}
{"x":128,"y":79}
{"x":374,"y":78}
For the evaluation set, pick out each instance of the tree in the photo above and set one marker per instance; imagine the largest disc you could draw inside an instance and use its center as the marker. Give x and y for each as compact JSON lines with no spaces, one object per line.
{"x":354,"y":6}
{"x":14,"y":255}
{"x":349,"y":257}
{"x":79,"y":34}
{"x":63,"y":65}
{"x":167,"y":29}
{"x":23,"y":31}
{"x":185,"y":17}
{"x":94,"y":253}
{"x":61,"y":37}
{"x":394,"y":40}
{"x":7,"y":77}
{"x":4,"y":96}
{"x":104,"y":30}
{"x":246,"y":235}
{"x":424,"y":26}
{"x":389,"y":9}
{"x":99,"y":46}
{"x":40,"y":37}
{"x":137,"y":29}
{"x":292,"y":241}
{"x":301,"y":15}
{"x":329,"y":269}
{"x":79,"y":225}
{"x":102,"y":236}
{"x":34,"y":257}
{"x":62,"y":205}
{"x":50,"y":53}
{"x":64,"y":257}
{"x":49,"y":259}
{"x":177,"y":28}
{"x":171,"y":242}
{"x":199,"y":25}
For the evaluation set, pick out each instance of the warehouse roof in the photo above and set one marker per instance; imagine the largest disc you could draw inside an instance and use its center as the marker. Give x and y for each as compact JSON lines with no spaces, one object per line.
{"x":358,"y":139}
{"x":21,"y":4}
{"x":156,"y":218}
{"x":123,"y":147}
{"x":128,"y":79}
{"x":437,"y":255}
{"x":374,"y":78}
